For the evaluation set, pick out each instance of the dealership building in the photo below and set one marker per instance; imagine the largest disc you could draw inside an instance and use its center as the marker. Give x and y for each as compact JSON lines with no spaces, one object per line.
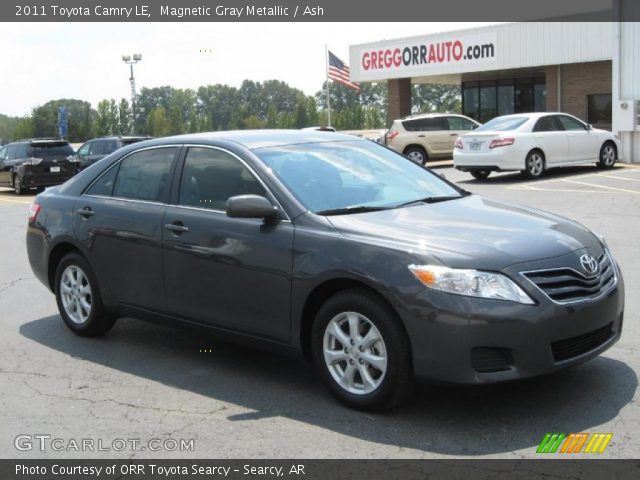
{"x":588,"y":69}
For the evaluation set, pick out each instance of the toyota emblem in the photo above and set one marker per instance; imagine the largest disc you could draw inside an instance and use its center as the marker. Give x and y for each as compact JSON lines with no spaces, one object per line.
{"x":589,"y":264}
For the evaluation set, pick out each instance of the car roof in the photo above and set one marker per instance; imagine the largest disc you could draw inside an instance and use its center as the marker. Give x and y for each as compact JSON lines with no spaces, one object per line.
{"x":122,"y":137}
{"x":533,"y":114}
{"x":253,"y":139}
{"x":42,"y":141}
{"x":430,"y":115}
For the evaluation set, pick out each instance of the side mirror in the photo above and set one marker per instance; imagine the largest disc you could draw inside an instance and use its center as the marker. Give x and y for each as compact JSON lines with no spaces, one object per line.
{"x":589,"y":127}
{"x":250,"y":206}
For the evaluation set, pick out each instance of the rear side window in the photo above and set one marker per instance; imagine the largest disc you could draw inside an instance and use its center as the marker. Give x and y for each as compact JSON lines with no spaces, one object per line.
{"x":104,"y":185}
{"x":426,"y":124}
{"x":40,"y":150}
{"x":211,"y":176}
{"x":546,"y":124}
{"x":21,"y":151}
{"x":145,"y":175}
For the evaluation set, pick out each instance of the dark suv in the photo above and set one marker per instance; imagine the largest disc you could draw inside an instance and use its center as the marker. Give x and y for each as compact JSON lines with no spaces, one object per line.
{"x":36,"y":163}
{"x":98,"y":148}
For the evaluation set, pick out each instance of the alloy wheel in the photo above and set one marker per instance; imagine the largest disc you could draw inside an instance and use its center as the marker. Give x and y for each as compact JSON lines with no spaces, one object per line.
{"x":75,"y":291}
{"x":608,"y":155}
{"x":354,"y":353}
{"x":535,"y":164}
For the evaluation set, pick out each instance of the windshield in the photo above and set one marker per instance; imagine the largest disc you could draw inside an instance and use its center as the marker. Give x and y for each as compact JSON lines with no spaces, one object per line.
{"x":502,"y":124}
{"x":50,"y":149}
{"x":338,"y":175}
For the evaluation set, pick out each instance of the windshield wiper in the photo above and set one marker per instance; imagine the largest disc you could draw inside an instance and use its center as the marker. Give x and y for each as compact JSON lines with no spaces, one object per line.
{"x":443,"y":198}
{"x":352,"y":209}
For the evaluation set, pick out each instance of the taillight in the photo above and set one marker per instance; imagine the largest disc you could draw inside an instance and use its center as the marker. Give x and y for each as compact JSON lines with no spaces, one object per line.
{"x":501,"y":142}
{"x":459,"y":145}
{"x":34,"y":210}
{"x":392,"y":135}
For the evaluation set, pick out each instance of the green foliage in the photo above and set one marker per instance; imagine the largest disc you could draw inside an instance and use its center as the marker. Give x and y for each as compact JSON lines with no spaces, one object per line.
{"x":166,"y":110}
{"x":44,"y":119}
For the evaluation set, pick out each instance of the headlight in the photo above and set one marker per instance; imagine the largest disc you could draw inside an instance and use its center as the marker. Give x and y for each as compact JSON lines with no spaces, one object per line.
{"x":472,"y":283}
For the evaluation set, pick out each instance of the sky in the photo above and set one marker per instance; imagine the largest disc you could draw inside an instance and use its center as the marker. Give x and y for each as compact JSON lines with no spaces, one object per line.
{"x":46,"y":61}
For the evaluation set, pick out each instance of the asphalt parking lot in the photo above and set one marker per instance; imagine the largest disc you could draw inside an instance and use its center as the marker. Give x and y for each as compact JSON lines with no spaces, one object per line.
{"x":149,"y":382}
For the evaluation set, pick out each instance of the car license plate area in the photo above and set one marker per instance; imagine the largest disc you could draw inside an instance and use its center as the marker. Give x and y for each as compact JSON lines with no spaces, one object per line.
{"x":475,"y":146}
{"x":54,"y":169}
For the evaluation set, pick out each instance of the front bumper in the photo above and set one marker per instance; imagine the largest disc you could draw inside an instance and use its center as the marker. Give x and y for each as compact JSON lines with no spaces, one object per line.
{"x":469,"y":340}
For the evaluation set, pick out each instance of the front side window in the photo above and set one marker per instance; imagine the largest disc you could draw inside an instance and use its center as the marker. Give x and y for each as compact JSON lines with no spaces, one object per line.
{"x":84,"y":149}
{"x":145,"y":175}
{"x":21,"y":151}
{"x":211,"y":176}
{"x":459,"y":123}
{"x":11,"y":152}
{"x":336,"y":175}
{"x":571,"y":123}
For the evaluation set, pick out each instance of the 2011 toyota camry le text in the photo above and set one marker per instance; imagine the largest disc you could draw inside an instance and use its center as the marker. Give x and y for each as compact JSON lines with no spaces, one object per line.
{"x":331,"y":246}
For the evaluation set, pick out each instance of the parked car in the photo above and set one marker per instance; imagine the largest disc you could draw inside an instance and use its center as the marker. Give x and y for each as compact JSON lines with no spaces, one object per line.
{"x":428,"y":136}
{"x":331,"y":246}
{"x":98,"y":148}
{"x":36,"y":163}
{"x":532,"y":143}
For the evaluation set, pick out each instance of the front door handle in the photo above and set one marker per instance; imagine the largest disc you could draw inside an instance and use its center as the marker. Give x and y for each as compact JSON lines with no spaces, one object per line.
{"x":176,"y":227}
{"x":86,"y":212}
{"x":453,"y":134}
{"x":421,"y":136}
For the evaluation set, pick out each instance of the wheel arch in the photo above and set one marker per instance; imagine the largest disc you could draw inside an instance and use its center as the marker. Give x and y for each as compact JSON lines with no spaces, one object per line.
{"x":415,"y":145}
{"x":321,"y":293}
{"x":58,"y":252}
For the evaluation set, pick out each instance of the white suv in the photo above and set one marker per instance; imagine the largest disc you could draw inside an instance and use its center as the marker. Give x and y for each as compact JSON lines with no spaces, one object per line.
{"x":428,"y":135}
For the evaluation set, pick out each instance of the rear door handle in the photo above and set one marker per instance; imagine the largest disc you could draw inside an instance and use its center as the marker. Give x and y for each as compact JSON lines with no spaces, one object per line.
{"x":421,"y":136}
{"x":176,"y":227}
{"x":453,"y":134}
{"x":86,"y":212}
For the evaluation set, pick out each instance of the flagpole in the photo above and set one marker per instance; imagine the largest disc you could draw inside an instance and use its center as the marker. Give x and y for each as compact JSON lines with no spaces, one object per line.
{"x":326,"y":63}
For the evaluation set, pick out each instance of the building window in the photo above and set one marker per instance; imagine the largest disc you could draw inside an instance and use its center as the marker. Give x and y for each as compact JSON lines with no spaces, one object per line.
{"x":599,"y":110}
{"x":471,"y":99}
{"x":488,"y":99}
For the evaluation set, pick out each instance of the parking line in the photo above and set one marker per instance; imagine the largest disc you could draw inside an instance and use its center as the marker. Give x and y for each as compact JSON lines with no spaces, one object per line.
{"x":8,"y":200}
{"x":563,"y":190}
{"x":602,"y":186}
{"x":622,"y":178}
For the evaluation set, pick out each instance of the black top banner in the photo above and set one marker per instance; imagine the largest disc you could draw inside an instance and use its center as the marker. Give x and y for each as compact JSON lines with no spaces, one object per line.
{"x":319,"y":10}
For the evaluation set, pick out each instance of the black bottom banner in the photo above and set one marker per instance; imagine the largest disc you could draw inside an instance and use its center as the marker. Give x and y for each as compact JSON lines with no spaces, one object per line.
{"x":463,"y":469}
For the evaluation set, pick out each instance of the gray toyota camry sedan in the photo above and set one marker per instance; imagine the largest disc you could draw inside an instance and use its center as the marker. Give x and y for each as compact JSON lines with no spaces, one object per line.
{"x":330,"y":246}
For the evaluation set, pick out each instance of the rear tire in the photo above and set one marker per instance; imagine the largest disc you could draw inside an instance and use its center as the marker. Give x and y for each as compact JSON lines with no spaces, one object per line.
{"x":78,"y":298}
{"x":417,"y":155}
{"x":480,"y":174}
{"x":362,"y":351}
{"x":608,"y":155}
{"x":17,"y":184}
{"x":534,"y":164}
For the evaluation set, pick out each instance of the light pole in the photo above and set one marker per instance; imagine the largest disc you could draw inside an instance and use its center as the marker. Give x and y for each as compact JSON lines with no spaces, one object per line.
{"x":131,"y":61}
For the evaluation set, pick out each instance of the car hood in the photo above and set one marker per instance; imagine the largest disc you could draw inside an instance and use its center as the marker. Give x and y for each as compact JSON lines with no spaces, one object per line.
{"x":470,"y":232}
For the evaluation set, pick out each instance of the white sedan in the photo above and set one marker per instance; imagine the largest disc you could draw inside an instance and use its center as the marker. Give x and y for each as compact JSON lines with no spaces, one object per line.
{"x":533,"y":142}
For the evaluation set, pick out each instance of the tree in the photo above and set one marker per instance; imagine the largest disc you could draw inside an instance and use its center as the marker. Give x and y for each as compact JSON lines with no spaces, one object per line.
{"x":436,"y":98}
{"x":81,"y":119}
{"x":157,"y":123}
{"x":124,"y":117}
{"x":23,"y":128}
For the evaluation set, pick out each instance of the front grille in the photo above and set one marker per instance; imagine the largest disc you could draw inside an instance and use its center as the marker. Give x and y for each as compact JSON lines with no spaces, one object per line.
{"x":490,"y":359}
{"x":565,"y":285}
{"x":574,"y":346}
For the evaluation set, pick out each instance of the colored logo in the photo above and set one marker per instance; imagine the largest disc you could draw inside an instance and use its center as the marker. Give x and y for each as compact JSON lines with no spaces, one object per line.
{"x":574,"y":443}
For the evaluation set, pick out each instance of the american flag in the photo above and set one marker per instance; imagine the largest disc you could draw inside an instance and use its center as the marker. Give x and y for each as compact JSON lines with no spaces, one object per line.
{"x":339,"y":72}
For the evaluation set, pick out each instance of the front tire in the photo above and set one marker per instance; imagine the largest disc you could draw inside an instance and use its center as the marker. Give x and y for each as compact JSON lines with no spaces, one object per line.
{"x":362,"y":352}
{"x":608,"y":155}
{"x":417,"y":155}
{"x":78,"y":298}
{"x":480,"y":174}
{"x":534,"y":164}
